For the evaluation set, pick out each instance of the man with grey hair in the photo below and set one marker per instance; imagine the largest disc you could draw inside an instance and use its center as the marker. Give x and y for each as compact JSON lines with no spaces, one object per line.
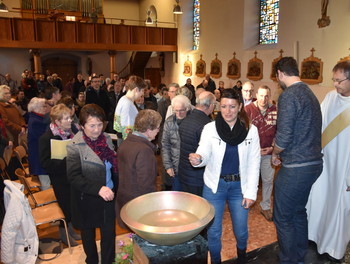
{"x":163,"y":106}
{"x":329,"y":201}
{"x":190,"y":131}
{"x":247,"y":93}
{"x":10,"y":83}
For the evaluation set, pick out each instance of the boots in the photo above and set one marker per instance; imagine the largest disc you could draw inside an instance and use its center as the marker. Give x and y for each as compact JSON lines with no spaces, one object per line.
{"x":72,"y":232}
{"x":241,"y":256}
{"x":72,"y":241}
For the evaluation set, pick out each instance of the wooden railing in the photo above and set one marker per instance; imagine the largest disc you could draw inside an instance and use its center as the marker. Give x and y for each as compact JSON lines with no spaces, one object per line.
{"x":46,"y":34}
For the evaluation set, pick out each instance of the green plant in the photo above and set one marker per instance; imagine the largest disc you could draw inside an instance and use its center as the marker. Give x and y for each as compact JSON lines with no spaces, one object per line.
{"x":126,"y":254}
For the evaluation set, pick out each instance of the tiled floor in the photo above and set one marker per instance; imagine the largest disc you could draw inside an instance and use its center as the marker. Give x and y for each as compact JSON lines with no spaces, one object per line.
{"x":261,"y":233}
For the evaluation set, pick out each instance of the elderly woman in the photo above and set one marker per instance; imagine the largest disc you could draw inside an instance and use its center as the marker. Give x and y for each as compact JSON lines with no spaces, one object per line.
{"x":171,"y":141}
{"x":69,"y":102}
{"x":59,"y":129}
{"x":92,"y":173}
{"x":229,"y":148}
{"x":36,"y":128}
{"x":137,"y":161}
{"x":13,"y":120}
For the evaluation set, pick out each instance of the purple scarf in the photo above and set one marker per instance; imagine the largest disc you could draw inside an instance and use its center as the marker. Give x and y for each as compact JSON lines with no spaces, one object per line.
{"x":102,"y":150}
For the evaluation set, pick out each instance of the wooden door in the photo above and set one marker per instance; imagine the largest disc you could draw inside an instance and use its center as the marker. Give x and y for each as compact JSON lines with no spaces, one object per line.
{"x":154,"y":75}
{"x":65,"y":68}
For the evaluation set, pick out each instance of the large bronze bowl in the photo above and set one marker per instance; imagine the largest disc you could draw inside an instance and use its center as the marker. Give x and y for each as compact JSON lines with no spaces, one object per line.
{"x":167,"y":218}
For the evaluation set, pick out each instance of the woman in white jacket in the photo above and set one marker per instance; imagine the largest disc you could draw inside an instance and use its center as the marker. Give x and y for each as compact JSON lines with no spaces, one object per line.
{"x":230,"y":150}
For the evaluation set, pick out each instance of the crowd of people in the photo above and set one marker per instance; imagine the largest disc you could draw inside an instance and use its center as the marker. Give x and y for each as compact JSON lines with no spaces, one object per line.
{"x":214,"y":142}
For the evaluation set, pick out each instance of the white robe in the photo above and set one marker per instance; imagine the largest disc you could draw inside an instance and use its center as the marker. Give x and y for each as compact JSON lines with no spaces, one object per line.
{"x":328,"y":207}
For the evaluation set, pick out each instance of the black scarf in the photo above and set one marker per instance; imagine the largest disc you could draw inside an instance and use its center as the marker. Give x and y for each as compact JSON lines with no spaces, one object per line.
{"x":234,"y":136}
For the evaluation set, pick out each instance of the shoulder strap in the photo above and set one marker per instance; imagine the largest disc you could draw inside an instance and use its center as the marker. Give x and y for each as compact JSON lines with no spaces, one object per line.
{"x":336,"y":126}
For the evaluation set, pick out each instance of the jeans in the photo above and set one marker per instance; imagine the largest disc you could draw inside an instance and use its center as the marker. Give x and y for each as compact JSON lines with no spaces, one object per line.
{"x":292,"y":188}
{"x":267,"y":172}
{"x":232,"y":193}
{"x":45,"y":182}
{"x":176,"y":184}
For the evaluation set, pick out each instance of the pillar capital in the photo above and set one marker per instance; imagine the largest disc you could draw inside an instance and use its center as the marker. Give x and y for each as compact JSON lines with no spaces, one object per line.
{"x":112,"y":53}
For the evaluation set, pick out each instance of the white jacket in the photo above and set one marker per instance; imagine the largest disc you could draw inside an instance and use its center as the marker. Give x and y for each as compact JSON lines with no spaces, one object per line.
{"x":19,"y":238}
{"x":212,"y":149}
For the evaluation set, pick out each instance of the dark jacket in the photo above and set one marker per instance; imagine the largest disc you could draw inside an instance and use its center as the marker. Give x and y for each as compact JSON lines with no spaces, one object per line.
{"x":57,"y":170}
{"x":212,"y":85}
{"x":36,"y":128}
{"x":137,"y":169}
{"x":100,"y":98}
{"x":152,"y":100}
{"x":193,"y":91}
{"x":77,"y":87}
{"x":190,"y":131}
{"x":171,"y":144}
{"x":87,"y":174}
{"x":163,"y":105}
{"x":299,"y":124}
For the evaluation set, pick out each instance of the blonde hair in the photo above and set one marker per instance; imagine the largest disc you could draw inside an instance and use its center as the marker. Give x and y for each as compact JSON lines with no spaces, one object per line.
{"x":58,"y":111}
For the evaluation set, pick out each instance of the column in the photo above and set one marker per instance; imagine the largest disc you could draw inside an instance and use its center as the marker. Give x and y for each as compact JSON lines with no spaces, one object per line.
{"x":112,"y":68}
{"x":37,"y":63}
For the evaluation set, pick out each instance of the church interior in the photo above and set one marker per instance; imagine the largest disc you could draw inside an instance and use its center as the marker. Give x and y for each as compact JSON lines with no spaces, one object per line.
{"x":67,"y":42}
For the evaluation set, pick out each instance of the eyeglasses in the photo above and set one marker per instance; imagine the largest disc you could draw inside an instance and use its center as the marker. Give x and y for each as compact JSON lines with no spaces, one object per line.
{"x":339,"y":81}
{"x":180,"y":111}
{"x":248,"y":91}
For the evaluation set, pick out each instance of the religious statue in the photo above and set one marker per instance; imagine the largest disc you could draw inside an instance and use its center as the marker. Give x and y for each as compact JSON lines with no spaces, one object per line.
{"x":324,"y":21}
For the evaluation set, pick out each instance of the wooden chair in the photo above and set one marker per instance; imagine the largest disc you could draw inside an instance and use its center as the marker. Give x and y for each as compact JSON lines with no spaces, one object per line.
{"x":33,"y":181}
{"x":7,"y":155}
{"x":39,"y":198}
{"x":23,"y":141}
{"x":22,"y":157}
{"x":3,"y":172}
{"x":50,"y":213}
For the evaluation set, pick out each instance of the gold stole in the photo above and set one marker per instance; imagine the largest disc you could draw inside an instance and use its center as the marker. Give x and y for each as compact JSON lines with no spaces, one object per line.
{"x":336,"y":126}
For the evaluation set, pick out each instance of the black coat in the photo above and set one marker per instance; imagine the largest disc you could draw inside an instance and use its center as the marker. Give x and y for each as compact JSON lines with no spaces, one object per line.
{"x":57,"y":171}
{"x":190,"y":131}
{"x":100,"y":98}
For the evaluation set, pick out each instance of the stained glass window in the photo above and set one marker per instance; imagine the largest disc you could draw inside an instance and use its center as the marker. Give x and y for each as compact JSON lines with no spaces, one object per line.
{"x":269,"y":17}
{"x":196,"y":23}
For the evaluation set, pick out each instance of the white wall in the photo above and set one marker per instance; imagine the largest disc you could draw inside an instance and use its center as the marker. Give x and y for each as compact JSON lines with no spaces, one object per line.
{"x":227,"y":26}
{"x":123,"y":9}
{"x":164,"y":8}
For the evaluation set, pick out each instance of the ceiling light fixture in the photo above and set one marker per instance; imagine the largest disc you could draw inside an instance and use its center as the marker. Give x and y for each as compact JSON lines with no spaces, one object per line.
{"x":3,"y":7}
{"x":177,"y":9}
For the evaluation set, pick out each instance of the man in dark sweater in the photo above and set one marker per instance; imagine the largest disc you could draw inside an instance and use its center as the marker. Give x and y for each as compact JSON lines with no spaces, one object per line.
{"x":190,"y":131}
{"x":96,"y":95}
{"x":78,"y":85}
{"x":298,"y":143}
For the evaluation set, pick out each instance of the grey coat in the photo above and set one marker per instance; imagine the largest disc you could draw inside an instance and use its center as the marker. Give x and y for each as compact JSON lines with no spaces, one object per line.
{"x":86,"y":173}
{"x":171,"y":144}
